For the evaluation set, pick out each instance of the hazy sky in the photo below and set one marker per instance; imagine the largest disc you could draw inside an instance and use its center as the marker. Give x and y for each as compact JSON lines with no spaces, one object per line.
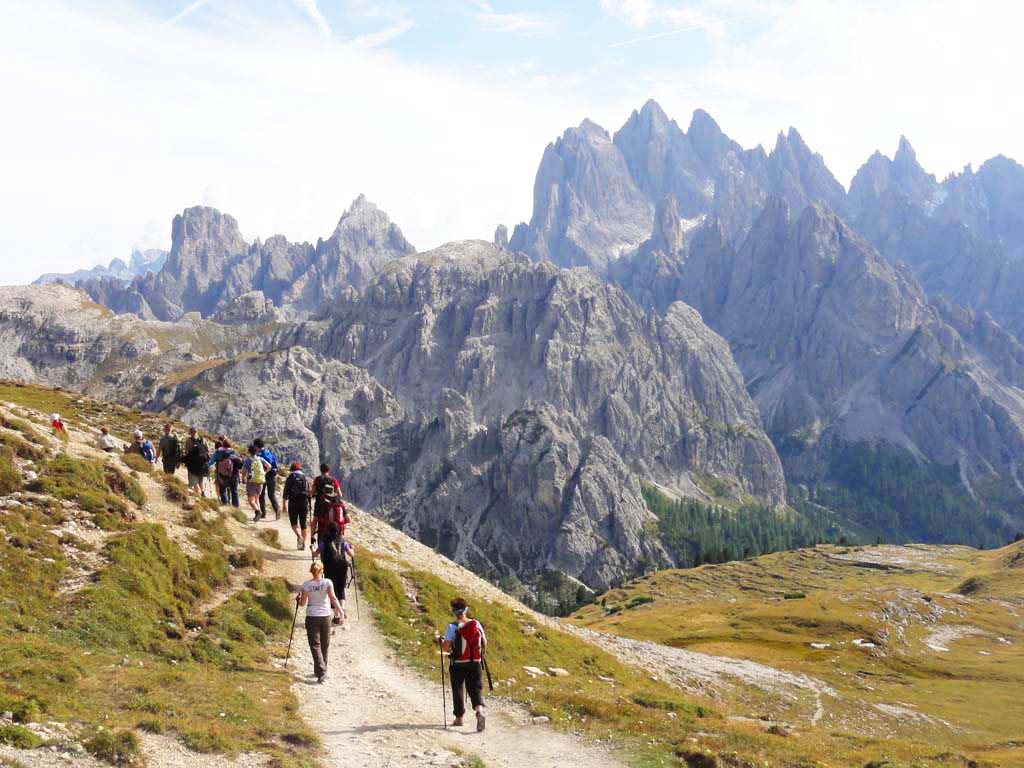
{"x":118,"y":114}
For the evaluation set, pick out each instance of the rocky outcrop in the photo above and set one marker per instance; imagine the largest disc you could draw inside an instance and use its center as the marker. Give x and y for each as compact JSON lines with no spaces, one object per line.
{"x":594,"y":197}
{"x":55,"y":335}
{"x":509,"y":334}
{"x":833,"y":340}
{"x":210,"y":265}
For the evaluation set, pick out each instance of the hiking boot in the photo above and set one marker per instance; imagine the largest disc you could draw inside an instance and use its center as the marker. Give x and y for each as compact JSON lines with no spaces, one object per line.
{"x":481,"y":721}
{"x":457,"y":722}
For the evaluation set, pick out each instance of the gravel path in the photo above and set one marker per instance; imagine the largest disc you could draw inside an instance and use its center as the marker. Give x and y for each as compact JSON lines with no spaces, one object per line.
{"x":375,"y":711}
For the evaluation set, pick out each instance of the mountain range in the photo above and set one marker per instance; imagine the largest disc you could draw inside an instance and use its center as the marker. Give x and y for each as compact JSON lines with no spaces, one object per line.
{"x":140,"y":263}
{"x":727,"y":325}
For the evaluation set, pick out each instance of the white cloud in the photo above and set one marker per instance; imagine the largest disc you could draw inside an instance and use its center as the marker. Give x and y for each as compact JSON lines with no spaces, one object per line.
{"x":382,"y":36}
{"x":186,"y":11}
{"x":311,"y":9}
{"x":644,"y":13}
{"x":123,"y":122}
{"x":516,"y":23}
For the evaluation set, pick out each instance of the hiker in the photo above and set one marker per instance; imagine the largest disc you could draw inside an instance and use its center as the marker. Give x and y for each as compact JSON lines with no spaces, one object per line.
{"x":335,"y":559}
{"x":318,"y":595}
{"x":141,"y":446}
{"x":229,"y":466}
{"x":169,"y":450}
{"x":254,"y":474}
{"x":296,"y":493}
{"x":106,"y":442}
{"x":270,"y":487}
{"x":328,"y":507}
{"x":197,"y":460}
{"x":465,"y":642}
{"x":58,"y":425}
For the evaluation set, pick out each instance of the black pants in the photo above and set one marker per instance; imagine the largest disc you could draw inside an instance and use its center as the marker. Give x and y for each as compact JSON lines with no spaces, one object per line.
{"x":169,"y":467}
{"x":269,"y":487}
{"x":466,"y":676}
{"x":298,"y":512}
{"x":228,"y":490}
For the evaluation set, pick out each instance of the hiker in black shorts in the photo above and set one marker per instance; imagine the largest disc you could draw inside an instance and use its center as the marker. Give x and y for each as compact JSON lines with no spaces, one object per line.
{"x":297,"y":489}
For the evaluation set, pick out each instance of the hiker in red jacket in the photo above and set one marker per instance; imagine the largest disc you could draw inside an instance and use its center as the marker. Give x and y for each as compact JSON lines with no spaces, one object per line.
{"x":328,"y":508}
{"x":464,"y":640}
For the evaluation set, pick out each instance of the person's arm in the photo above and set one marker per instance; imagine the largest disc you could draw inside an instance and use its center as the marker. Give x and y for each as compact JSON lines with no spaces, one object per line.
{"x":334,"y":600}
{"x":447,"y":638}
{"x":302,"y":598}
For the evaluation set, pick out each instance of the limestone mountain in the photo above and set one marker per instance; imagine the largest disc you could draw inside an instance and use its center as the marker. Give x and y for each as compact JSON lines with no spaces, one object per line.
{"x":140,"y":263}
{"x":210,"y":265}
{"x":595,"y":196}
{"x":835,"y":342}
{"x":963,"y":237}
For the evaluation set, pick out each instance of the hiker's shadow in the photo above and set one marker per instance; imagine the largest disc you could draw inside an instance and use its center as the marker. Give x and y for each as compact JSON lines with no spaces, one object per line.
{"x":360,"y":730}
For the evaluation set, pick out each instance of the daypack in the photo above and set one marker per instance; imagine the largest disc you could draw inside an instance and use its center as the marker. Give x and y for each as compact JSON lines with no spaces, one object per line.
{"x":271,"y":459}
{"x":148,"y":452}
{"x":327,"y":491}
{"x":257,"y":472}
{"x":174,"y":455}
{"x":299,"y":486}
{"x":199,"y":457}
{"x":226,"y":466}
{"x":466,"y":647}
{"x":334,"y":552}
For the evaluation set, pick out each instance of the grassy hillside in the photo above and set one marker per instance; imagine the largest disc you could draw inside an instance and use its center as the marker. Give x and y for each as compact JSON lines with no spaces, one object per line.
{"x":125,"y":610}
{"x":920,"y":650}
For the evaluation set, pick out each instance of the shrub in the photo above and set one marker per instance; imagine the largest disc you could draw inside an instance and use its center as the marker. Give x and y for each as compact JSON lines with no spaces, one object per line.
{"x":10,"y":476}
{"x":794,"y":596}
{"x":116,"y":748}
{"x":270,"y":537}
{"x":137,"y":463}
{"x":20,"y":737}
{"x":95,"y":487}
{"x":249,"y":557}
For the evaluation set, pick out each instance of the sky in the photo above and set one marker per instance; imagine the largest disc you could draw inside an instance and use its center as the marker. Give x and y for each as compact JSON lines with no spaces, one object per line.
{"x":119,"y":114}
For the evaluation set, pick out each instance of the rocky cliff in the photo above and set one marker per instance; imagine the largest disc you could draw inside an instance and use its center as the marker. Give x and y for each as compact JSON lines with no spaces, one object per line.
{"x":210,"y":265}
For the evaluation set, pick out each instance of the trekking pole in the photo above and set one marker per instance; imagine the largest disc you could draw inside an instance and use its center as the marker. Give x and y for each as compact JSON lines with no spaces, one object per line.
{"x":444,"y":693}
{"x":295,"y":618}
{"x":487,"y":669}
{"x":355,"y":584}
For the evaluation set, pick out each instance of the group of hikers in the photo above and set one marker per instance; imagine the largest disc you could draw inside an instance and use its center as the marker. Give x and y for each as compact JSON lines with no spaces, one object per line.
{"x":317,"y":515}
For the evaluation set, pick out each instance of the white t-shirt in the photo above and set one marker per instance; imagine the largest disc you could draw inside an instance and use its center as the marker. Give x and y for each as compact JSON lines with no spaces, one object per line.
{"x":318,"y":592}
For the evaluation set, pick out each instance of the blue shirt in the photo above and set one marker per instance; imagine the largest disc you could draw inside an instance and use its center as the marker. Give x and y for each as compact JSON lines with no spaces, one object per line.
{"x":268,"y":455}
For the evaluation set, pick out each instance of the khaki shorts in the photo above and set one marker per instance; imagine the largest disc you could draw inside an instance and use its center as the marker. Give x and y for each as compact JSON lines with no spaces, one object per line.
{"x":253,"y":489}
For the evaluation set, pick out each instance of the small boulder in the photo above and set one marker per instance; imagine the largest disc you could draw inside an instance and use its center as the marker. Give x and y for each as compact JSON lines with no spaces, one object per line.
{"x":540,"y":720}
{"x":533,"y":671}
{"x":558,"y":672}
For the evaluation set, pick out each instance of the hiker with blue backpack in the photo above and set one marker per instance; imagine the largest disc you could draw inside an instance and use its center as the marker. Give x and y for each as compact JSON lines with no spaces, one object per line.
{"x":141,"y":447}
{"x":270,"y":486}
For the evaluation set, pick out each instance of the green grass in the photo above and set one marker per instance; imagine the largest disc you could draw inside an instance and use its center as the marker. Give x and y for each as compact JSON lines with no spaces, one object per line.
{"x":10,"y":476}
{"x":650,"y":719}
{"x":98,"y":488}
{"x":19,"y":736}
{"x":120,"y":748}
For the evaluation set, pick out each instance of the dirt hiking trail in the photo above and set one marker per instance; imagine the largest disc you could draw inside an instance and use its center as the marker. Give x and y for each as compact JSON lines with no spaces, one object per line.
{"x":376,"y":711}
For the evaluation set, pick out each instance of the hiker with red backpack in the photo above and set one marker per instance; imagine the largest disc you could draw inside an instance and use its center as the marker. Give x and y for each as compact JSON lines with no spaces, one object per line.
{"x":328,"y":508}
{"x":465,"y":642}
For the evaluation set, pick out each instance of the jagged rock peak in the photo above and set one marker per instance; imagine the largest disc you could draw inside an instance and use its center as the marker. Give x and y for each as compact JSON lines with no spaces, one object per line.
{"x":668,"y":231}
{"x":201,"y":222}
{"x":591,"y":129}
{"x":501,"y":236}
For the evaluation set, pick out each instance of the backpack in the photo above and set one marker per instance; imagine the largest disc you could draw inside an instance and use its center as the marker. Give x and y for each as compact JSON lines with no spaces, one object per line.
{"x":466,"y":647}
{"x":299,"y":487}
{"x":148,"y":452}
{"x":175,"y":452}
{"x":199,"y":457}
{"x":271,"y":459}
{"x":327,"y":493}
{"x":257,"y":472}
{"x":334,"y":552}
{"x":226,"y":466}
